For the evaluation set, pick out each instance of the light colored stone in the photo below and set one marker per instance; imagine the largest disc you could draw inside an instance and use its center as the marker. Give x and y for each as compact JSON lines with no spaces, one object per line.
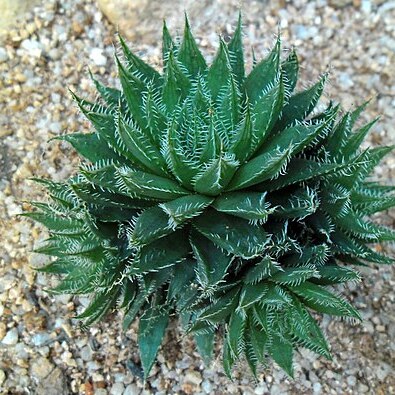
{"x":97,"y":57}
{"x":2,"y":377}
{"x":41,"y":368}
{"x":54,"y":384}
{"x":132,"y":389}
{"x":3,"y":55}
{"x":11,"y":338}
{"x":117,"y":389}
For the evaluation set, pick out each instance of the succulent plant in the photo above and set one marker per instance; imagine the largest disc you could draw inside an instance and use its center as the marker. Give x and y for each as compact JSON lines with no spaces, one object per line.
{"x":223,"y":198}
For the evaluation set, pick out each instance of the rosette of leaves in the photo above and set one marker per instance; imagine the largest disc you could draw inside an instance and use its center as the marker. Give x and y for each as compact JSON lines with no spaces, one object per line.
{"x":222,"y":197}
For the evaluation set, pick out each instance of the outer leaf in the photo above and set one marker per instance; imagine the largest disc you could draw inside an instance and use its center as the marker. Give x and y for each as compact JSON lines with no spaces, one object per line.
{"x":281,"y":351}
{"x":235,"y":333}
{"x":149,"y":185}
{"x":205,"y":345}
{"x":301,"y":104}
{"x":189,"y":54}
{"x":236,"y":55}
{"x":290,"y":68}
{"x":321,"y":300}
{"x":265,"y":72}
{"x":151,"y":331}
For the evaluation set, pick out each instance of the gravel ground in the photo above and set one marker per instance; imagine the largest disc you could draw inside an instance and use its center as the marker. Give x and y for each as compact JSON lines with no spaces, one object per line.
{"x":42,"y":349}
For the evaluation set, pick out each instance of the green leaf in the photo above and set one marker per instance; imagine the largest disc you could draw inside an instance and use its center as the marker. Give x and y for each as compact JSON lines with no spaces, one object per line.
{"x":137,"y":66}
{"x":355,"y":139}
{"x":176,"y":85}
{"x":184,"y":274}
{"x":142,"y":184}
{"x":236,"y":55}
{"x":228,"y":360}
{"x":296,"y":138}
{"x":263,"y":269}
{"x":167,"y":43}
{"x":252,"y":293}
{"x":241,"y":143}
{"x":233,"y":234}
{"x":165,"y":252}
{"x":281,"y":351}
{"x":174,"y":151}
{"x":189,"y":54}
{"x":185,"y":208}
{"x":133,"y":89}
{"x":216,"y":175}
{"x":301,"y":104}
{"x":294,"y":275}
{"x":260,"y":168}
{"x":263,"y":74}
{"x":266,"y":110}
{"x":300,"y":204}
{"x":151,"y":331}
{"x":247,"y":205}
{"x":306,"y":330}
{"x":298,"y":170}
{"x":112,"y":96}
{"x":219,"y":71}
{"x":334,"y":274}
{"x":221,"y":308}
{"x":205,"y":345}
{"x":151,"y":224}
{"x":91,"y":147}
{"x":140,"y":147}
{"x":364,"y":229}
{"x":212,"y":263}
{"x":290,"y":68}
{"x":323,"y":301}
{"x":259,"y":341}
{"x":100,"y":304}
{"x":235,"y":333}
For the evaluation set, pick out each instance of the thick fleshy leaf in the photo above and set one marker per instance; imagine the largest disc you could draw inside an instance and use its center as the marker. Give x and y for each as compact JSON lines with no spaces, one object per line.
{"x":221,"y":308}
{"x":137,"y":66}
{"x":176,"y":85}
{"x":149,"y":185}
{"x":216,"y":176}
{"x":212,"y":263}
{"x":185,"y":208}
{"x":220,"y":70}
{"x":236,"y":53}
{"x":139,"y":145}
{"x":301,"y":104}
{"x":189,"y":54}
{"x":252,"y":293}
{"x":247,"y":205}
{"x":233,"y":234}
{"x":91,"y":147}
{"x":259,"y":169}
{"x":290,"y":68}
{"x":151,"y":331}
{"x":205,"y":345}
{"x":235,"y":332}
{"x":165,"y":252}
{"x":151,"y":224}
{"x":323,"y":301}
{"x":263,"y":269}
{"x":265,"y":72}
